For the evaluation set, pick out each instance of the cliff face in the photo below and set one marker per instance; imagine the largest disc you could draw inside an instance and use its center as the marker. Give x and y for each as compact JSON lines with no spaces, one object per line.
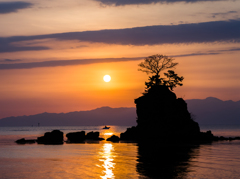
{"x":163,"y":116}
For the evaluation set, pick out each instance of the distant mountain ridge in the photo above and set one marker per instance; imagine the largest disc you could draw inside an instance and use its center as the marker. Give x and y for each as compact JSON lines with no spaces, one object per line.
{"x":100,"y":116}
{"x":215,"y":111}
{"x":209,"y":111}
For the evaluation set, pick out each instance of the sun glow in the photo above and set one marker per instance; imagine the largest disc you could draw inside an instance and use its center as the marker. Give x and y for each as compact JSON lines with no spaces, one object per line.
{"x":107,"y":78}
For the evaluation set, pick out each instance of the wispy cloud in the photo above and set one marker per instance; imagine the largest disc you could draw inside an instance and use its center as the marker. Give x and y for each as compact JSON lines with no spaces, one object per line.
{"x":8,"y":47}
{"x":223,"y":14}
{"x":56,"y":63}
{"x":132,"y":2}
{"x":9,"y":7}
{"x":212,"y":52}
{"x":230,"y":50}
{"x":64,"y":63}
{"x":196,"y":54}
{"x":150,"y":35}
{"x":10,"y":60}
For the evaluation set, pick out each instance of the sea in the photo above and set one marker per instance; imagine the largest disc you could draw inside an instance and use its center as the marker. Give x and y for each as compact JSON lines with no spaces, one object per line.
{"x":122,"y":160}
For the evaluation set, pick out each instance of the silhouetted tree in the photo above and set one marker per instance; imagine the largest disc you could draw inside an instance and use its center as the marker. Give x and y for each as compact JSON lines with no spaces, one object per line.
{"x":173,"y":79}
{"x":156,"y":64}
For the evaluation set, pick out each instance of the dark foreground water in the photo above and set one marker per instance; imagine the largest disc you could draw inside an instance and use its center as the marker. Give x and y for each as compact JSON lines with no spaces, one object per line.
{"x":116,"y":160}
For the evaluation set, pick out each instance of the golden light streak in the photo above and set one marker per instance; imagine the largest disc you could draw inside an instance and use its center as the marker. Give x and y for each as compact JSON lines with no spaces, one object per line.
{"x":108,"y":161}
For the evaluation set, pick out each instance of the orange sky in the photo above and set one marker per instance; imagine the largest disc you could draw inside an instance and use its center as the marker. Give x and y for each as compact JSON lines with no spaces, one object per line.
{"x":208,"y":61}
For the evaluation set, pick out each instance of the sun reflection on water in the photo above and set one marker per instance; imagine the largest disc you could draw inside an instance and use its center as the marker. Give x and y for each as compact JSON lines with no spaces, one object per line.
{"x":108,"y":134}
{"x":107,"y":157}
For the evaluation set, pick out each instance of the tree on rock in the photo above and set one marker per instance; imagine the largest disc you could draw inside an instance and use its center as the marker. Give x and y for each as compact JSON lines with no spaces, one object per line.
{"x":155,"y":65}
{"x":161,"y":116}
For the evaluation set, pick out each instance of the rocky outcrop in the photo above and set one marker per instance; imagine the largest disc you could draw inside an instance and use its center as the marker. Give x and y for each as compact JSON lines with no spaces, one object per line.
{"x":131,"y":134}
{"x":163,"y":117}
{"x":92,"y":135}
{"x":76,"y":137}
{"x":52,"y":138}
{"x":24,"y":141}
{"x":113,"y":138}
{"x":56,"y":137}
{"x":80,"y":137}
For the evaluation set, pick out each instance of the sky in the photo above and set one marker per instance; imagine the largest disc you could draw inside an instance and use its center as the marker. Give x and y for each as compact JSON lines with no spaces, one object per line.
{"x":54,"y":53}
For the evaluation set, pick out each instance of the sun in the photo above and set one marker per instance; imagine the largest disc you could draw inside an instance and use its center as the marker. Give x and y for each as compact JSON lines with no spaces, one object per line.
{"x":107,"y":78}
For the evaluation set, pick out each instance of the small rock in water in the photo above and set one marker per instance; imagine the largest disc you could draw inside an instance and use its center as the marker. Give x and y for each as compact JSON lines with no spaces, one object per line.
{"x":76,"y":137}
{"x":52,"y":138}
{"x":24,"y":141}
{"x":113,"y":138}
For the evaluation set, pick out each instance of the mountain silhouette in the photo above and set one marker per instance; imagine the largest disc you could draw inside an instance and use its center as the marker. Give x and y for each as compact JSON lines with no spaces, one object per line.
{"x":213,"y":111}
{"x":209,"y":111}
{"x":100,"y":116}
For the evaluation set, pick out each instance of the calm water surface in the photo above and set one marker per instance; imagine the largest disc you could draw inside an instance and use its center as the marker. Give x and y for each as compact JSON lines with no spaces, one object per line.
{"x":115,"y":160}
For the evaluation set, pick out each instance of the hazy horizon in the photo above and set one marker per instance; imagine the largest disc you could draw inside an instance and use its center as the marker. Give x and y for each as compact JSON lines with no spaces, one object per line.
{"x":29,"y":114}
{"x":209,"y":111}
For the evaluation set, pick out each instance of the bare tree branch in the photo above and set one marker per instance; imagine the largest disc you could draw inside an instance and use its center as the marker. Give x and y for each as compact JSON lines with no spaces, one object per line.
{"x":156,"y":64}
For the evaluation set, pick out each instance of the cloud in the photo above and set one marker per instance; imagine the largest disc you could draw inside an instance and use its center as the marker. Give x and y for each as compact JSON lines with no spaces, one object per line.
{"x":132,"y":2}
{"x":64,"y":63}
{"x":11,"y":60}
{"x":9,"y":7}
{"x":196,"y":54}
{"x":8,"y":47}
{"x":93,"y":61}
{"x":215,"y":31}
{"x":212,"y":52}
{"x":223,"y":14}
{"x":230,"y":50}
